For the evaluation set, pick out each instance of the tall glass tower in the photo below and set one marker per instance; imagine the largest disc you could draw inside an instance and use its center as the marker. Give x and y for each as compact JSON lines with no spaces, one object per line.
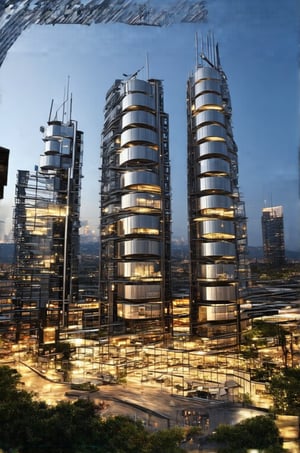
{"x":46,"y":232}
{"x":217,"y":222}
{"x":273,"y":235}
{"x":135,"y":210}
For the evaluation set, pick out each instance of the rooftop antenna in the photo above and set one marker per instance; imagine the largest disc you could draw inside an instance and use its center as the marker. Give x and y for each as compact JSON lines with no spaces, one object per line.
{"x":147,"y":66}
{"x":50,"y":113}
{"x":68,"y":92}
{"x":63,"y":105}
{"x":66,"y":98}
{"x":218,"y":56}
{"x":196,"y":46}
{"x":132,"y":76}
{"x":202,"y":44}
{"x":71,"y":105}
{"x":214,"y":49}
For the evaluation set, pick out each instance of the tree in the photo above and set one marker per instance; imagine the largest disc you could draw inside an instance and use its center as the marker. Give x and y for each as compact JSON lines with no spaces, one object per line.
{"x":122,"y":435}
{"x":167,"y":441}
{"x":285,"y":390}
{"x":253,"y":433}
{"x":9,"y":379}
{"x":69,"y":428}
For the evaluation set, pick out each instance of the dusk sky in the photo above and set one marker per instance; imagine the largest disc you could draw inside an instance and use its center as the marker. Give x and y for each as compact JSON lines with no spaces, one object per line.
{"x":259,"y":49}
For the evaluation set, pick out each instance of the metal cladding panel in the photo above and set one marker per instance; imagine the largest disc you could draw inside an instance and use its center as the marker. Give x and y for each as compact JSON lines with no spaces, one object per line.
{"x":139,"y":269}
{"x":217,"y":226}
{"x":66,"y":146}
{"x":133,"y":101}
{"x":214,"y":165}
{"x":140,"y":247}
{"x":141,"y":292}
{"x":141,"y":86}
{"x":52,"y":146}
{"x":218,"y":293}
{"x":111,"y":114}
{"x":207,"y":99}
{"x":142,"y":200}
{"x":139,"y":153}
{"x":139,"y":178}
{"x":218,"y":271}
{"x":211,"y":131}
{"x":218,"y":183}
{"x":138,"y":117}
{"x":138,"y":134}
{"x":215,"y":201}
{"x":206,"y":72}
{"x":66,"y":161}
{"x":143,"y":222}
{"x":59,"y":130}
{"x":221,"y":312}
{"x":140,"y":311}
{"x":50,"y":161}
{"x":207,"y":85}
{"x":209,"y":116}
{"x":218,"y":249}
{"x":211,"y":148}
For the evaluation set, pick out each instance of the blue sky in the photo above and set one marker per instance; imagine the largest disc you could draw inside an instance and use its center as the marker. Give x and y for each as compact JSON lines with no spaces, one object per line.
{"x":259,"y":51}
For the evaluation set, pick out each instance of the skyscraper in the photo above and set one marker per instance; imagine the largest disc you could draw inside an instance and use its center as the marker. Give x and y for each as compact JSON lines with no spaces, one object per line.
{"x":273,"y":235}
{"x":217,"y":222}
{"x":135,"y":210}
{"x":46,"y":232}
{"x":4,"y":155}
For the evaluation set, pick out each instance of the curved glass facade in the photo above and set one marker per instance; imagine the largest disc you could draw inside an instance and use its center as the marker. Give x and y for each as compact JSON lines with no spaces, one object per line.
{"x":217,"y":225}
{"x":135,"y":209}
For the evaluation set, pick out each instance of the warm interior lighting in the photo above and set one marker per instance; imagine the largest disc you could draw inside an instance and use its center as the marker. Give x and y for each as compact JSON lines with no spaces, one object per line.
{"x":212,"y":138}
{"x":219,"y":212}
{"x":210,"y":107}
{"x":218,"y":235}
{"x":216,"y":173}
{"x":145,"y":231}
{"x":145,"y":188}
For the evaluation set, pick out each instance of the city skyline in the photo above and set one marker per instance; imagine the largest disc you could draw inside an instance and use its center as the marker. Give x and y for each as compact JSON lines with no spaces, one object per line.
{"x":258,"y":53}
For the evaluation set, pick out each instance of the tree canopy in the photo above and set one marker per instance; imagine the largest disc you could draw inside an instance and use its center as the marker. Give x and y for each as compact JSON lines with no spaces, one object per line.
{"x":285,"y":390}
{"x":259,"y":433}
{"x":30,"y":426}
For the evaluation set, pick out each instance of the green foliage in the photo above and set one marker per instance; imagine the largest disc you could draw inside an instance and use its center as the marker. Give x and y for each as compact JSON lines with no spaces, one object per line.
{"x":259,"y":433}
{"x":246,"y":399}
{"x":9,"y":378}
{"x":285,"y":390}
{"x":123,"y":435}
{"x":257,"y":338}
{"x":29,"y":426}
{"x":166,"y":441}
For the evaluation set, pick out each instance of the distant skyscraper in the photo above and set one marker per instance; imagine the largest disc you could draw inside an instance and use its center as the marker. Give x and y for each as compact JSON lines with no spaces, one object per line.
{"x":217,"y":222}
{"x":4,"y":155}
{"x":135,"y":209}
{"x":273,"y":235}
{"x":46,"y":232}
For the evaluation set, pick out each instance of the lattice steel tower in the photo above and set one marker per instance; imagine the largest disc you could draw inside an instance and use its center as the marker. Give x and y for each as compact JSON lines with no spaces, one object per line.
{"x":135,"y":210}
{"x":217,"y":222}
